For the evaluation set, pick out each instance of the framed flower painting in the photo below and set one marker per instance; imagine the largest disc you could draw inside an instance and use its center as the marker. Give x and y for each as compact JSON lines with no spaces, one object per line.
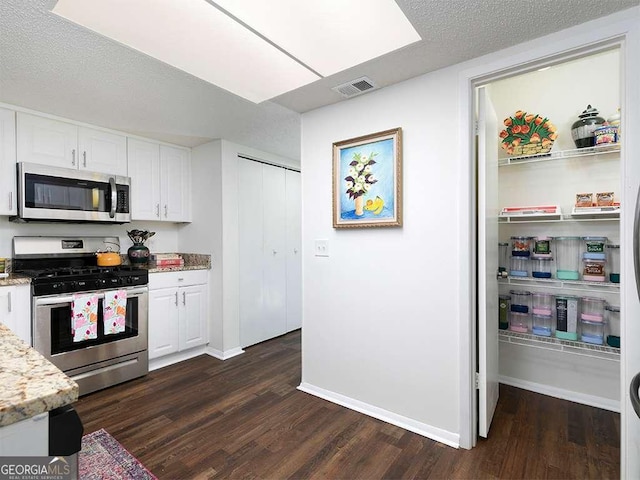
{"x":367,"y":181}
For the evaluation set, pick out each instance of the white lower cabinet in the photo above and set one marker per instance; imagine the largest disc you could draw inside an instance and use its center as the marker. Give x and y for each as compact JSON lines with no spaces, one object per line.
{"x":178,"y":312}
{"x":15,"y":310}
{"x":27,"y":438}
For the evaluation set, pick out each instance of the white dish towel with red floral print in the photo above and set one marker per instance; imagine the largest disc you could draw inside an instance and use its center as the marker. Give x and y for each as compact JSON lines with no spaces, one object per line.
{"x":84,"y":312}
{"x":114,"y":311}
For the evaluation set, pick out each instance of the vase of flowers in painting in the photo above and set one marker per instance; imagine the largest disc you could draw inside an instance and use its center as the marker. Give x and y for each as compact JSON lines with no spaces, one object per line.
{"x":360,"y":179}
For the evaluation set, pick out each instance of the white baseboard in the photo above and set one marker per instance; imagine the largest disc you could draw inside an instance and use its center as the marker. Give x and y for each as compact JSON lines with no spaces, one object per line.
{"x":434,"y":433}
{"x":226,"y":355}
{"x":172,"y":358}
{"x":591,"y":400}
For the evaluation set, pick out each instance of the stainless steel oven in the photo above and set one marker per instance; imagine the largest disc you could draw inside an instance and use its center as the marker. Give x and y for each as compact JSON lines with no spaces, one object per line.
{"x":99,"y":362}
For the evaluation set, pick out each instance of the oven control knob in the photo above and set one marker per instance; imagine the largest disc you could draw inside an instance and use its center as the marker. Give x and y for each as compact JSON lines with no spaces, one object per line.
{"x":100,"y":282}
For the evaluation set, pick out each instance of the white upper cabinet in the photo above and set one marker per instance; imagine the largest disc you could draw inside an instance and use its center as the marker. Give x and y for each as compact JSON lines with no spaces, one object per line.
{"x":102,"y":151}
{"x":7,"y":162}
{"x":175,"y":180}
{"x":160,"y":179}
{"x":144,"y":169}
{"x":60,"y":144}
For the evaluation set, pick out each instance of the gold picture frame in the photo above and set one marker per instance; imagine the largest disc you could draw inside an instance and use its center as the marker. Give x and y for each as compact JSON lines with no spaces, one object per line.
{"x":367,"y":181}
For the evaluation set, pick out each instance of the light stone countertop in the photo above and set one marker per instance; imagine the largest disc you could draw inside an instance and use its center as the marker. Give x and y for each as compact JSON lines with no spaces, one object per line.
{"x":29,"y":383}
{"x":14,"y":279}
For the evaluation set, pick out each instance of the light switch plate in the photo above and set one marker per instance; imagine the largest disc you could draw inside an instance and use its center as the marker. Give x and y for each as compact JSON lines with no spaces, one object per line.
{"x":322,"y":248}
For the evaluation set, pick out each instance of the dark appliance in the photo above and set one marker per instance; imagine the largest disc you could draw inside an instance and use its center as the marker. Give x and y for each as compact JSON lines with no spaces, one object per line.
{"x":62,"y":268}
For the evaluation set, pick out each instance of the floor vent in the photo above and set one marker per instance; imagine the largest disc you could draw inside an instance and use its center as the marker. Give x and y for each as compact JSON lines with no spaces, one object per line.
{"x":355,"y":87}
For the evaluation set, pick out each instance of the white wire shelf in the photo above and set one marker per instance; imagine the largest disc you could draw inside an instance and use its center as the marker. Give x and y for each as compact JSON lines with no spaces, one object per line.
{"x":575,"y":216}
{"x":605,"y":149}
{"x":577,"y":285}
{"x":558,"y":345}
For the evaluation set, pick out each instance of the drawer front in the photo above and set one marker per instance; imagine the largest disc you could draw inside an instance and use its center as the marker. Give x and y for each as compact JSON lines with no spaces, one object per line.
{"x":177,"y":279}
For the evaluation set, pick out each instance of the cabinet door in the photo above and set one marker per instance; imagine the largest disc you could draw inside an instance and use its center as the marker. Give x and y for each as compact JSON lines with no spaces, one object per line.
{"x":48,"y":142}
{"x":294,"y":255}
{"x":275,"y":246}
{"x":174,"y":178}
{"x":15,"y":310}
{"x":27,"y":438}
{"x":102,"y":152}
{"x":8,"y":162}
{"x":164,"y":322}
{"x":193,"y":316}
{"x":144,"y":170}
{"x":250,"y":248}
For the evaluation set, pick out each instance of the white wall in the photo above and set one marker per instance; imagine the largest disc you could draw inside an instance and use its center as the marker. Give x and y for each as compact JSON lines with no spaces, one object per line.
{"x":165,"y":239}
{"x":380,"y":314}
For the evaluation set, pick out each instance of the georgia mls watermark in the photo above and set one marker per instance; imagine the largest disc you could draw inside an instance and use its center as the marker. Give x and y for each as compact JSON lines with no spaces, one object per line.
{"x":38,"y":468}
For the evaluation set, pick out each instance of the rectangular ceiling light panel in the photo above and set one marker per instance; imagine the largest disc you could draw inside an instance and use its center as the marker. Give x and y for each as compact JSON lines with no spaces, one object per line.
{"x":195,"y":37}
{"x":327,"y":35}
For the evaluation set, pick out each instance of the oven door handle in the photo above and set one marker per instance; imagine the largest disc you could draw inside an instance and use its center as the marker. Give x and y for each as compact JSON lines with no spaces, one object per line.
{"x":69,"y":298}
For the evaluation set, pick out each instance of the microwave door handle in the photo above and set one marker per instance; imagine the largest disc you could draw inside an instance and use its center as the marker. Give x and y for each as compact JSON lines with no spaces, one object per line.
{"x":636,"y":239}
{"x":114,"y":197}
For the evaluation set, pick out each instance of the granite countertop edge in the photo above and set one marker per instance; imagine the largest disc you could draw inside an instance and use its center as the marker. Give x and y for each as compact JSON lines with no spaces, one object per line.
{"x":29,"y":383}
{"x":14,"y":279}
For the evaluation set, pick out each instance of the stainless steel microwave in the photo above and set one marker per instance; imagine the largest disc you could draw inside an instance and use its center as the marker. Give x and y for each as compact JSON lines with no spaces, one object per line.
{"x":53,"y":194}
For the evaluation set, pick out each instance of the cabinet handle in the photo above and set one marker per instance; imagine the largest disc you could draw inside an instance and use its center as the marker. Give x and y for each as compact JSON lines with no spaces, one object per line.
{"x":10,"y":200}
{"x":84,"y":158}
{"x":165,"y":211}
{"x":295,"y":250}
{"x":158,"y":210}
{"x":275,"y":252}
{"x":184,"y":298}
{"x":176,"y":299}
{"x":9,"y":308}
{"x":180,"y":279}
{"x":73,"y":157}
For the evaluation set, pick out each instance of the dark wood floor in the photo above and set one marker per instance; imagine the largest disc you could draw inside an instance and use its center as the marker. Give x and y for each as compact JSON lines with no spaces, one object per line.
{"x":244,"y":418}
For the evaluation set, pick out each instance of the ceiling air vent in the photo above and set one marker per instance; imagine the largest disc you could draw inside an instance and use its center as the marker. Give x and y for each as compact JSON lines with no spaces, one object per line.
{"x":355,"y":87}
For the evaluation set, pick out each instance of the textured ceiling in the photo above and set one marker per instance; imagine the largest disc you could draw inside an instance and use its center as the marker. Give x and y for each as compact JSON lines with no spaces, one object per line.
{"x":51,"y":65}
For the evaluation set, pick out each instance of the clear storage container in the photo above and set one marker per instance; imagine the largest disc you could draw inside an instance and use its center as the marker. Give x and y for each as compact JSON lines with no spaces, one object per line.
{"x":612,"y":318}
{"x":521,"y":246}
{"x":541,"y":325}
{"x":503,"y":258}
{"x":592,"y":332}
{"x":504,"y":306}
{"x":567,"y":317}
{"x":520,"y":301}
{"x":592,"y":309}
{"x":541,"y":267}
{"x":520,"y":267}
{"x":593,"y":270}
{"x":542,"y":304}
{"x":542,"y":247}
{"x":613,"y":263}
{"x":519,"y":322}
{"x":593,"y":248}
{"x":567,"y":258}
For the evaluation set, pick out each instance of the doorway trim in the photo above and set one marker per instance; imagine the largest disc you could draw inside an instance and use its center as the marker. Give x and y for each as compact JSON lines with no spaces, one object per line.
{"x":575,"y":42}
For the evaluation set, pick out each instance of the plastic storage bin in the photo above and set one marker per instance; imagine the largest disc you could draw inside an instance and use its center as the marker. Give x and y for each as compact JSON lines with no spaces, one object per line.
{"x":519,"y":322}
{"x":520,"y":267}
{"x":593,"y":248}
{"x":592,"y":309}
{"x":504,"y":307}
{"x":542,"y":304}
{"x":593,"y":270}
{"x":613,"y":263}
{"x":567,"y":258}
{"x":542,"y":247}
{"x":520,"y":301}
{"x":541,"y":325}
{"x":566,"y":317}
{"x":503,"y":258}
{"x":541,"y":267}
{"x":592,"y":332}
{"x":612,"y":316}
{"x":521,"y":246}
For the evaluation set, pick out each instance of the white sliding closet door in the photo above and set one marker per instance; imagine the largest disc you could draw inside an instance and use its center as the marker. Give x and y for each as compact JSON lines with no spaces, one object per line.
{"x":274,"y":276}
{"x":250,"y":221}
{"x":294,"y":254}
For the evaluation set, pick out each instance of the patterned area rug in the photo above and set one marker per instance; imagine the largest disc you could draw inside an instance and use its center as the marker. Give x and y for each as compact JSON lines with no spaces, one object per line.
{"x":102,"y":457}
